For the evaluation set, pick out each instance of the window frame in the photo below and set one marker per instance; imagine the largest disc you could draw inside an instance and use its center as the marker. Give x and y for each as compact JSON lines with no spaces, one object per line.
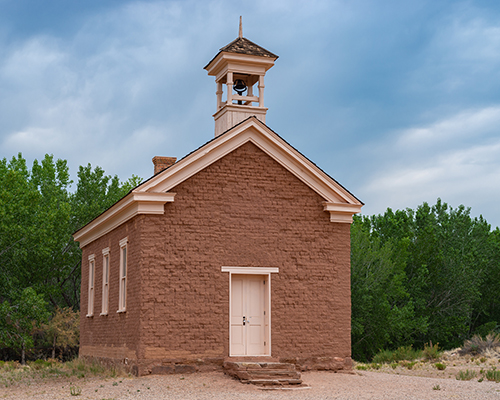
{"x":105,"y":281}
{"x":122,"y":296}
{"x":91,"y":288}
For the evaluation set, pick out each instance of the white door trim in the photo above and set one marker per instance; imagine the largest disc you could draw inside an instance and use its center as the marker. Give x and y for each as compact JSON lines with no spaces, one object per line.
{"x":264,"y":271}
{"x":251,"y":270}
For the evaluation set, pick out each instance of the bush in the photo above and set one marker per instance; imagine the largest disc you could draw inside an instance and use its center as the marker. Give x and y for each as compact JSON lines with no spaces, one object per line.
{"x":478,"y":345}
{"x":431,"y":352}
{"x":440,"y":366}
{"x":466,"y":375}
{"x":493,"y":375}
{"x":404,"y":353}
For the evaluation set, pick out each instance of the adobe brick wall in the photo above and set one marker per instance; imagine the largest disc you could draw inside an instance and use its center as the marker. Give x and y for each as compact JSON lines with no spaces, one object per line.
{"x":244,"y":210}
{"x":115,"y":336}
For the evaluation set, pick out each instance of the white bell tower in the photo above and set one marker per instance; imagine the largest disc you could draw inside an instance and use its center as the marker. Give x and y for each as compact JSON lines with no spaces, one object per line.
{"x":239,"y":68}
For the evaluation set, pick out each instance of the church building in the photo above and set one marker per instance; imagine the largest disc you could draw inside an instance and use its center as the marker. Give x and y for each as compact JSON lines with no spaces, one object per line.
{"x":240,"y":251}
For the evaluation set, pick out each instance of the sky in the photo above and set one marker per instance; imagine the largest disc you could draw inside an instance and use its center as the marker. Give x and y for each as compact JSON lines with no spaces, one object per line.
{"x":399,"y":101}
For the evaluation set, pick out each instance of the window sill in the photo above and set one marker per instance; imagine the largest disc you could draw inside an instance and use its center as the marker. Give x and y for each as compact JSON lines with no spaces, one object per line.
{"x":103,"y":314}
{"x":121,"y":311}
{"x":90,"y":315}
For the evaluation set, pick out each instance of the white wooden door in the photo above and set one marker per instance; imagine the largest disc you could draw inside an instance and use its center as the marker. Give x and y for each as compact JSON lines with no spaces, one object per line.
{"x":248,"y":315}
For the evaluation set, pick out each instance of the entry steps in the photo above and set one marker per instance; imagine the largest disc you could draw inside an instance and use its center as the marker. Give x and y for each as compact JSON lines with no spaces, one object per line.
{"x":264,"y":373}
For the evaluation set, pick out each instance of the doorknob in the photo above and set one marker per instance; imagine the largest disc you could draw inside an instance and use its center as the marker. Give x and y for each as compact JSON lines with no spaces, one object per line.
{"x":244,"y":320}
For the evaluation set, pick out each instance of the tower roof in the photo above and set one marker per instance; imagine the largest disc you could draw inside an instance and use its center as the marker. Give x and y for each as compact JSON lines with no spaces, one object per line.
{"x":242,"y":45}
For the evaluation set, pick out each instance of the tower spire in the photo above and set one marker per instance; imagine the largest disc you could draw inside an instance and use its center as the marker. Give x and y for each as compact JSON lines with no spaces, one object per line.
{"x":241,"y":28}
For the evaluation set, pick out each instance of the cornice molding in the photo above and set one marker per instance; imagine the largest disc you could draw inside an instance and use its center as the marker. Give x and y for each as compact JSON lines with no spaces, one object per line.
{"x":341,"y":212}
{"x":131,"y":205}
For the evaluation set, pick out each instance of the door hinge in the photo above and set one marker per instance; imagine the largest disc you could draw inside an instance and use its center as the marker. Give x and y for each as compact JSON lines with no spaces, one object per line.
{"x":264,"y":313}
{"x":264,"y":343}
{"x":264,"y":282}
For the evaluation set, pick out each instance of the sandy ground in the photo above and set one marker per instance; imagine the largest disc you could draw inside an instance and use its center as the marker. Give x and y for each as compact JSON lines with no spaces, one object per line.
{"x":216,"y":385}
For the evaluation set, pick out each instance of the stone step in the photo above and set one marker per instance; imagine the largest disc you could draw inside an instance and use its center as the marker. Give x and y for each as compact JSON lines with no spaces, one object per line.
{"x":263,"y":373}
{"x":275,"y":382}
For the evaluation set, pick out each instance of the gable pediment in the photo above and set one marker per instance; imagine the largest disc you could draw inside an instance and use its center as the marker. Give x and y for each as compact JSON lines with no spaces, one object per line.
{"x":338,"y":201}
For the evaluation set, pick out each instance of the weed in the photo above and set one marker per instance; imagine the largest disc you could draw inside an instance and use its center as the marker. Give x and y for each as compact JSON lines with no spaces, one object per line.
{"x":437,"y":387}
{"x":394,"y":365}
{"x":493,"y":375}
{"x":480,"y":379}
{"x":407,"y":353}
{"x":375,"y":366}
{"x":482,"y":359}
{"x":362,"y":367}
{"x":431,"y":352}
{"x":115,"y":383}
{"x":408,"y":364}
{"x":384,"y":356}
{"x":75,"y":390}
{"x":466,"y":375}
{"x":478,"y":345}
{"x":440,"y":366}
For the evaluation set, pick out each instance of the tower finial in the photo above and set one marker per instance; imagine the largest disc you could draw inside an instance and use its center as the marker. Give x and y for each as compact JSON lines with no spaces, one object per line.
{"x":241,"y":28}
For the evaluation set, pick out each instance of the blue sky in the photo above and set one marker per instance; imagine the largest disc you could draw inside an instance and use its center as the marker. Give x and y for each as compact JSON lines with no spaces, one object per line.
{"x":397,"y":100}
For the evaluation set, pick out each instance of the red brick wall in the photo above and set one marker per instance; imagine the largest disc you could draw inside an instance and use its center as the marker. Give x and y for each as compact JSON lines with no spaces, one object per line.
{"x":115,"y":335}
{"x":243,"y":210}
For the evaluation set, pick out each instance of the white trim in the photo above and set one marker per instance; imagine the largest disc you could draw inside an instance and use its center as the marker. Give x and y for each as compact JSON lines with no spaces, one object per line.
{"x":123,"y":242}
{"x":150,"y":197}
{"x":251,"y":270}
{"x":264,"y":271}
{"x":131,"y":205}
{"x":91,"y":287}
{"x":105,"y":282}
{"x":341,"y":212}
{"x":260,"y":135}
{"x":122,"y":288}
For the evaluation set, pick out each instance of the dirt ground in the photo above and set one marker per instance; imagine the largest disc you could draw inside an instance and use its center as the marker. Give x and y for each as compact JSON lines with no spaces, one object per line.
{"x":423,"y":381}
{"x":216,"y":385}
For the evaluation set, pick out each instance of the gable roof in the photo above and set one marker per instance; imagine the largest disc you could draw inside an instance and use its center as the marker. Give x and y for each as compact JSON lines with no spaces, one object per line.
{"x":150,"y":196}
{"x":242,"y":45}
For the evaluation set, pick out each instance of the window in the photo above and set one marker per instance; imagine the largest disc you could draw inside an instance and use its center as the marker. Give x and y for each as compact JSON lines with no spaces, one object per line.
{"x":90,"y":308}
{"x":105,"y":281}
{"x":122,"y":299}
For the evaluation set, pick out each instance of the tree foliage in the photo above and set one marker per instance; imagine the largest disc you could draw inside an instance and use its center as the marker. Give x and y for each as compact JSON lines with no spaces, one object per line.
{"x":436,"y":265}
{"x":38,"y":214}
{"x":20,"y":318}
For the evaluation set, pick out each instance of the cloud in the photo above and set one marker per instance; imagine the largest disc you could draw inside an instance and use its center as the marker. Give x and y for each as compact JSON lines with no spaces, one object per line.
{"x":456,"y":159}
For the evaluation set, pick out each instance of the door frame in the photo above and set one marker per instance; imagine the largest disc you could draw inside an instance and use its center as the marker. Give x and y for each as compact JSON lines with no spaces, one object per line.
{"x":264,"y":271}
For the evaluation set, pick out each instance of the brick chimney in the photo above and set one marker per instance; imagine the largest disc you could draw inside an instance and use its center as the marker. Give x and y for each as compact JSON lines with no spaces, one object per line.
{"x":162,"y":163}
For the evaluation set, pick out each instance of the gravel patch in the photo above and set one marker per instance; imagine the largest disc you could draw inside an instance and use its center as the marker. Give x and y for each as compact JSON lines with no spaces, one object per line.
{"x":216,"y":385}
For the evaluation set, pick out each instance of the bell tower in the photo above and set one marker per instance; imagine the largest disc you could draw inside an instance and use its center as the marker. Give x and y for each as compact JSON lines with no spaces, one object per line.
{"x":239,"y":69}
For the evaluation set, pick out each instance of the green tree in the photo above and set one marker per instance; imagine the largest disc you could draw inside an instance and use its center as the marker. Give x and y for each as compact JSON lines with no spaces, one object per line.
{"x":63,"y":329}
{"x":450,"y":268}
{"x":382,"y":310}
{"x":19,"y":320}
{"x":38,"y":214}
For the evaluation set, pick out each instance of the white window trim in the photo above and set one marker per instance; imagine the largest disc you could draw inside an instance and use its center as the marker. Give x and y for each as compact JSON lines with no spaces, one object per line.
{"x":91,"y":289}
{"x":105,"y":282}
{"x":265,"y":271}
{"x":122,"y":297}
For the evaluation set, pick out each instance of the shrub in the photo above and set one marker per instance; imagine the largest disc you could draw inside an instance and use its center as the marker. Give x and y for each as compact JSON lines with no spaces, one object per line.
{"x":404,"y":353}
{"x":431,"y":352}
{"x":440,"y":366}
{"x":493,"y":375}
{"x":466,"y":375}
{"x":383,"y":356}
{"x":478,"y":345}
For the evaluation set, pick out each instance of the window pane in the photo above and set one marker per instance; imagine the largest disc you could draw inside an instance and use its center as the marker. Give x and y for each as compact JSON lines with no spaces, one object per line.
{"x":124,"y":266}
{"x":106,"y":269}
